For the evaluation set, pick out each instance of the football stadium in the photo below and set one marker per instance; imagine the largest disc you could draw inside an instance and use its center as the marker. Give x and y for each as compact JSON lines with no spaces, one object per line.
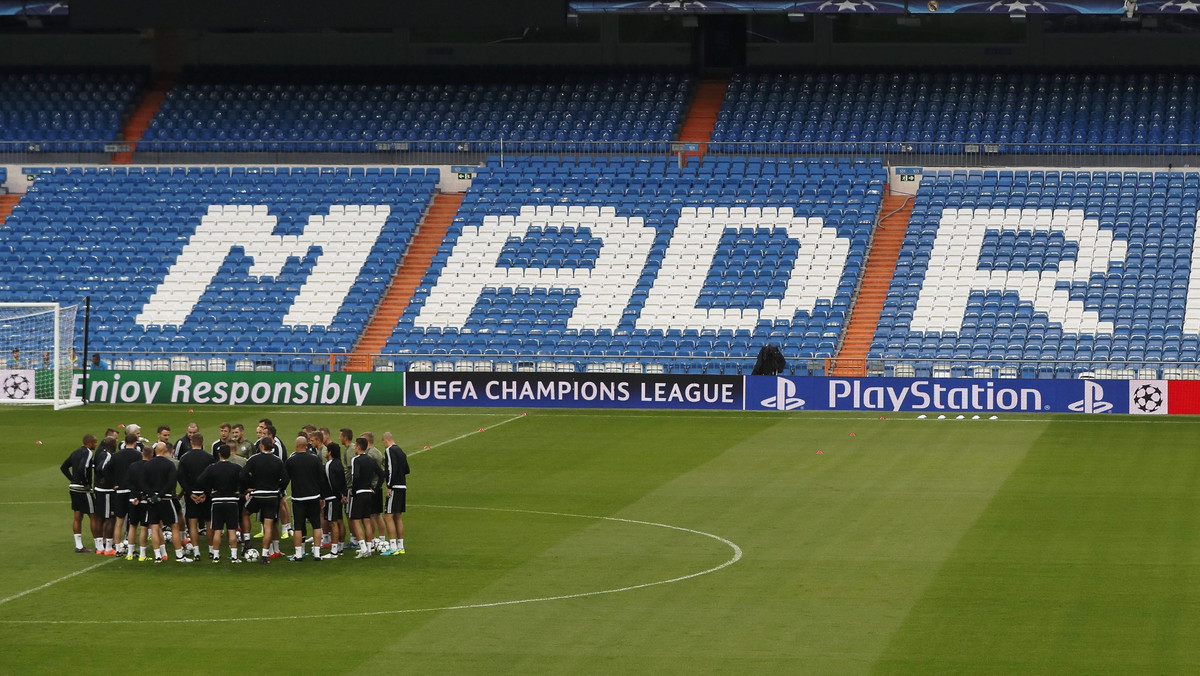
{"x":751,"y":336}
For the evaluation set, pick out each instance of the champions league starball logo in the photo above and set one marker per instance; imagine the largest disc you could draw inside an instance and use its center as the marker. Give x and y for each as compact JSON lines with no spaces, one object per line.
{"x":1170,"y":6}
{"x":16,"y":386}
{"x":847,"y":6}
{"x":1017,"y":7}
{"x":1148,"y":398}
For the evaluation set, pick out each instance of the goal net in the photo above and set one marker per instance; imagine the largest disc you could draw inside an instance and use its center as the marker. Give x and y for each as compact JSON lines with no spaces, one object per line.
{"x":37,"y":354}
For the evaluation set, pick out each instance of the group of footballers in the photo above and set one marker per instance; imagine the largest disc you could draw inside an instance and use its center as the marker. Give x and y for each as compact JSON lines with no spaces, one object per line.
{"x":136,"y":488}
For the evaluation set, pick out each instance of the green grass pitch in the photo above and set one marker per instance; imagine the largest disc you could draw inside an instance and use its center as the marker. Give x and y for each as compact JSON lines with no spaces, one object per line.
{"x":656,"y":542}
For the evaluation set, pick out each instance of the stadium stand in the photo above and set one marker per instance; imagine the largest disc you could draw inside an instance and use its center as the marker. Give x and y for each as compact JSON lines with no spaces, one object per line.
{"x":852,"y":111}
{"x":632,"y":263}
{"x":531,"y":111}
{"x":269,"y":260}
{"x":1078,"y":271}
{"x":69,"y":111}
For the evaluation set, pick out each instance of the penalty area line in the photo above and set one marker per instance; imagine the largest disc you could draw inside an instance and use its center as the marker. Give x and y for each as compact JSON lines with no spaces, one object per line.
{"x":51,"y":583}
{"x":468,"y":434}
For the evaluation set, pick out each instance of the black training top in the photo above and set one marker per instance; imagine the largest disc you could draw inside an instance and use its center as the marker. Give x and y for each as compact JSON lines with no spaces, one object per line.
{"x":264,"y":472}
{"x":78,"y":468}
{"x":397,"y":466}
{"x":120,"y":466}
{"x":222,"y":479}
{"x":364,"y":472}
{"x":103,"y":469}
{"x":304,"y":470}
{"x":191,"y":465}
{"x":335,"y":478}
{"x":159,"y":476}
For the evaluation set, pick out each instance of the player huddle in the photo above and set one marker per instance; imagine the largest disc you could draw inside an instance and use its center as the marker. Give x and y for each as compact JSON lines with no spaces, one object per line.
{"x":137,"y":490}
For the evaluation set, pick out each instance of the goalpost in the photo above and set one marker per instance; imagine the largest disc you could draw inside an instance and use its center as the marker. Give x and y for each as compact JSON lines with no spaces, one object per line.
{"x":37,"y":356}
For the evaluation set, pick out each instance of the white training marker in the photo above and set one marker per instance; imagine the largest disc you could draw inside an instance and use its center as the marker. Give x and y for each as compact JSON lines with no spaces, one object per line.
{"x":960,"y":417}
{"x":974,"y":417}
{"x":921,"y":417}
{"x":941,"y":417}
{"x":993,"y":418}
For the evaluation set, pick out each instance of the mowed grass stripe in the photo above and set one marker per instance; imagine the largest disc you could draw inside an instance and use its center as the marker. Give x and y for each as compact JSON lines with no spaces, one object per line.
{"x":837,"y":547}
{"x":1087,"y":561}
{"x":439,"y":543}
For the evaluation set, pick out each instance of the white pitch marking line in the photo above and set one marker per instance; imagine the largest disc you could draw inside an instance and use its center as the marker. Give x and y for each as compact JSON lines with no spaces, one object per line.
{"x":464,"y":436}
{"x":68,"y":576}
{"x":42,"y":502}
{"x":737,"y":556}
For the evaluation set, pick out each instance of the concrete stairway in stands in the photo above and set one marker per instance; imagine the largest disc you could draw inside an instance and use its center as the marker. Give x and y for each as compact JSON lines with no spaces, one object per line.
{"x":702,"y":117}
{"x":142,"y":116}
{"x":8,"y":202}
{"x":408,"y":277}
{"x":851,"y":360}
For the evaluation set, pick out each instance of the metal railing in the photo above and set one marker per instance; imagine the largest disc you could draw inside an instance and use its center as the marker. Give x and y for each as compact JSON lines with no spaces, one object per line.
{"x":711,"y":363}
{"x":470,"y":152}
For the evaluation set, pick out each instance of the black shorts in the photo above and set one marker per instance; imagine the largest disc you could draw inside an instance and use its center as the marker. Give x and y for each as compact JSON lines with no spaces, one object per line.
{"x":82,"y":501}
{"x":265,"y":507}
{"x":225,"y":515}
{"x":121,"y":504}
{"x":306,"y":511}
{"x":395,"y":501}
{"x":191,"y":510}
{"x":161,"y":512}
{"x":333,"y":508}
{"x":103,"y":501}
{"x":360,"y":506}
{"x":377,"y":503}
{"x":139,"y":513}
{"x":169,"y":511}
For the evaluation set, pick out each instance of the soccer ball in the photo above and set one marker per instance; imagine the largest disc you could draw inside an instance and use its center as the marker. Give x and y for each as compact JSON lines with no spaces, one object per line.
{"x":251,"y":555}
{"x":17,"y":386}
{"x":1148,"y":398}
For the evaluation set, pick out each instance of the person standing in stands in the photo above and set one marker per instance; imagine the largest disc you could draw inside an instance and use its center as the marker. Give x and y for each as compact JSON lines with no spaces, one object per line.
{"x":78,"y":468}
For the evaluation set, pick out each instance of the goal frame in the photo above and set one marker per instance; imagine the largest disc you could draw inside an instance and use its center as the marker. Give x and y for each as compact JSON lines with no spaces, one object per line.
{"x":59,"y":399}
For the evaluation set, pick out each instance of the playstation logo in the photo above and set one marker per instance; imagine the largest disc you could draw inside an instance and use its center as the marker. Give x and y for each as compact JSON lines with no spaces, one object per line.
{"x":785,"y":398}
{"x":1093,"y":399}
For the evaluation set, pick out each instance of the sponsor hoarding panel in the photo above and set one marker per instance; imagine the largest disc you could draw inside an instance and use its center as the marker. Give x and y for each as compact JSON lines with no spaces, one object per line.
{"x":939,"y":395}
{"x":1148,"y":397}
{"x":234,"y":388}
{"x":561,"y":390}
{"x":1183,"y":397}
